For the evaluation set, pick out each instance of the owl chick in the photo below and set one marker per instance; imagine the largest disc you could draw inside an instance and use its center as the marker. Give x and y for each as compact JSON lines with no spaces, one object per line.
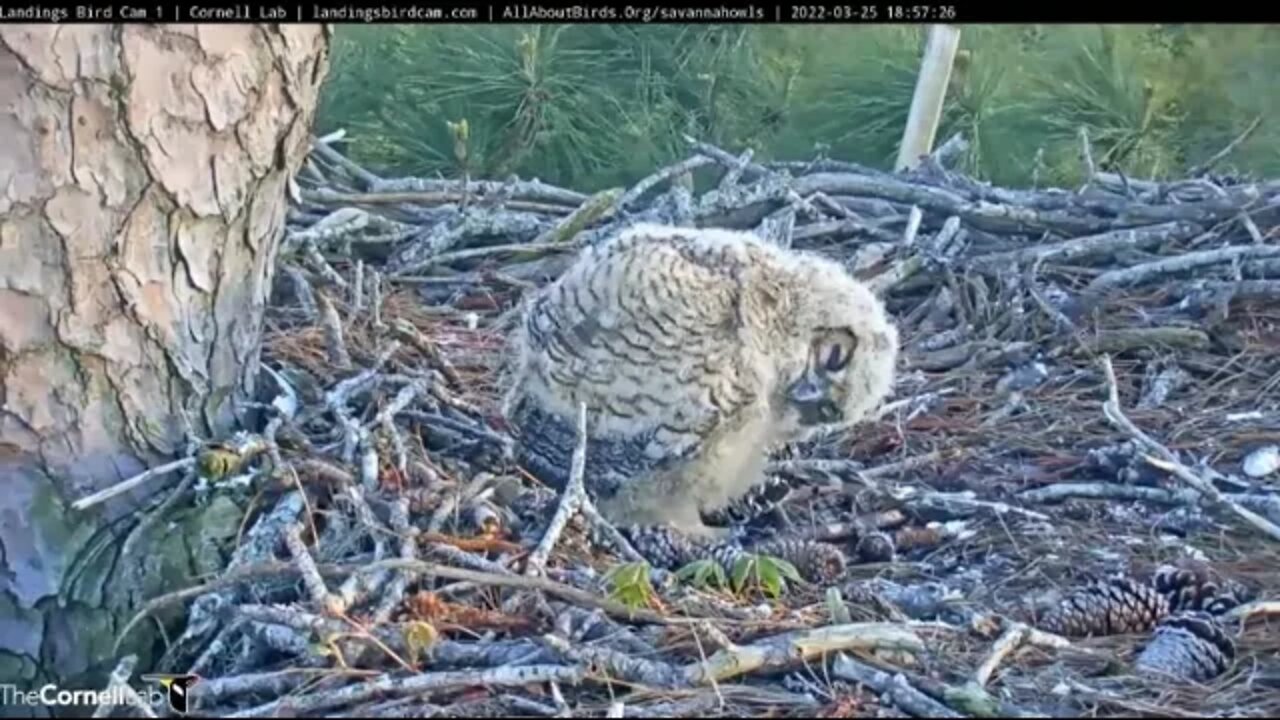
{"x":696,"y":351}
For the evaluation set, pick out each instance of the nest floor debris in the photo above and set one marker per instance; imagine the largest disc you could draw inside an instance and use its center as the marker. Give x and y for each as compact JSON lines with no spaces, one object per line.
{"x":1090,"y":388}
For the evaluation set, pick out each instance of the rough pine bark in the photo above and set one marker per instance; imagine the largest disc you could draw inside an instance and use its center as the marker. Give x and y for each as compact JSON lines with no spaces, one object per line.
{"x":143,"y":190}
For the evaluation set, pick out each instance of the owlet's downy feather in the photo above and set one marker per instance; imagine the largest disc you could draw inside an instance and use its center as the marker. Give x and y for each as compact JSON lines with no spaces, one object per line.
{"x":696,"y":352}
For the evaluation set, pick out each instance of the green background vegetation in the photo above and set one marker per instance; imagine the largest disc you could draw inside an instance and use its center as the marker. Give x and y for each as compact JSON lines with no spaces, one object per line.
{"x":592,"y":106}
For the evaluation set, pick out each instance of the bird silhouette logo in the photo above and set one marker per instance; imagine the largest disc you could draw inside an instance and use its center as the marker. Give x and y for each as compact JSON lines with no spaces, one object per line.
{"x":176,"y":688}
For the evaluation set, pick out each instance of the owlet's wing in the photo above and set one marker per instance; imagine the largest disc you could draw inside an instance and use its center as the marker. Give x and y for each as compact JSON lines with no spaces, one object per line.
{"x":646,"y":330}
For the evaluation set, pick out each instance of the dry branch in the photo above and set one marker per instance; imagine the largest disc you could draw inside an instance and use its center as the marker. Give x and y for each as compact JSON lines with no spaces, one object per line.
{"x":570,"y":501}
{"x":138,"y":480}
{"x":783,"y":651}
{"x":1179,"y":264}
{"x":893,"y":688}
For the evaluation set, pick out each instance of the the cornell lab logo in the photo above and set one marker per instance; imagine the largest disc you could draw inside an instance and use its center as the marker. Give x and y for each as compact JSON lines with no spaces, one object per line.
{"x":177,"y":688}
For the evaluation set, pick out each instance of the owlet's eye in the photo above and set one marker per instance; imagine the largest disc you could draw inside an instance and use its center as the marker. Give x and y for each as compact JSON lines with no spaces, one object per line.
{"x":833,"y":349}
{"x":837,"y":358}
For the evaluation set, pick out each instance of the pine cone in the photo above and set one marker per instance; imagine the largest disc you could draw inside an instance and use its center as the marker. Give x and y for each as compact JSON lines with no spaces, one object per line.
{"x":661,"y":546}
{"x":1108,"y":607}
{"x":756,"y":503}
{"x":1189,"y":646}
{"x":664,"y":547}
{"x":816,"y":562}
{"x":1190,"y":586}
{"x":724,"y":552}
{"x":875,"y":547}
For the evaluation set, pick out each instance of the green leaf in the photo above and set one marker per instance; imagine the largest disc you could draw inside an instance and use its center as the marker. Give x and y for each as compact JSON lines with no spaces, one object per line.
{"x":629,"y":584}
{"x":743,"y":568}
{"x":787,"y":570}
{"x":702,"y":573}
{"x":764,"y":572}
{"x":770,"y":578}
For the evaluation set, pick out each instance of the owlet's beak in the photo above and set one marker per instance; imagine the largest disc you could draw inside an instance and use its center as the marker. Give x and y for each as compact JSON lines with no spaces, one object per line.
{"x":808,"y":389}
{"x":811,"y":396}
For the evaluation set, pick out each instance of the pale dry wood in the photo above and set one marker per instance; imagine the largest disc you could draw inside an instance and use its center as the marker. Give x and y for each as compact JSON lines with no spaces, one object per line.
{"x":409,"y":334}
{"x":335,"y":341}
{"x":616,"y":665}
{"x":359,"y":587}
{"x":1184,"y":262}
{"x":535,"y":249}
{"x":217,"y":647}
{"x":947,"y":152}
{"x":1177,"y":469}
{"x":357,"y":290}
{"x":743,"y":165}
{"x":1261,"y":503}
{"x":1258,"y":608}
{"x":964,"y":504}
{"x":136,"y":481}
{"x":782,"y":651}
{"x":337,"y":225}
{"x":306,"y":565}
{"x":600,"y":206}
{"x":1090,"y":246}
{"x":277,"y":683}
{"x":321,"y":147}
{"x":529,"y":190}
{"x":733,"y":175}
{"x":930,"y":92}
{"x":446,"y":236}
{"x":375,"y":301}
{"x":897,"y":274}
{"x":1120,"y":340}
{"x":661,"y":176}
{"x":1058,"y":492}
{"x":913,"y":226}
{"x":844,"y":227}
{"x":316,"y":262}
{"x":1008,"y":643}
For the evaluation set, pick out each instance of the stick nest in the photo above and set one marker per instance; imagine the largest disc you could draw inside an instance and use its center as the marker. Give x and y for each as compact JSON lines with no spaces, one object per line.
{"x":1013,"y":546}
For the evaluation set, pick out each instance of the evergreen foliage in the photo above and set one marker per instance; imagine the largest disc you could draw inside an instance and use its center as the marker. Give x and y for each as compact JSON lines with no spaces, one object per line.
{"x":596,"y":106}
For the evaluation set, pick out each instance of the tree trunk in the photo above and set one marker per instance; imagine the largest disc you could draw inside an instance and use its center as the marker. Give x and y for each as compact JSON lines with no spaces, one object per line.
{"x":143,"y":178}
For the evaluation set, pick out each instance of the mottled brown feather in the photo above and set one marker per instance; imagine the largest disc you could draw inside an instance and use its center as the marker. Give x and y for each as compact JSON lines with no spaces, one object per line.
{"x":681,"y":342}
